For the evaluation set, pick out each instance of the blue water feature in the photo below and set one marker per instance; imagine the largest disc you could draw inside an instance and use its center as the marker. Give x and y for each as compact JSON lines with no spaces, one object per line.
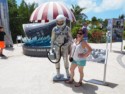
{"x":40,"y":42}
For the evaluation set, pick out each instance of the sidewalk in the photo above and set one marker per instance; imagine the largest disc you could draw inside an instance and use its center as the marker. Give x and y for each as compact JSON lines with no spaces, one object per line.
{"x":20,"y":74}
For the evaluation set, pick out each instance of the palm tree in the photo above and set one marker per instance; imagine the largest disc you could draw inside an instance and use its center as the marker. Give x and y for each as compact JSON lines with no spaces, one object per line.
{"x":25,"y":10}
{"x":122,"y":16}
{"x":94,"y":22}
{"x":77,"y":11}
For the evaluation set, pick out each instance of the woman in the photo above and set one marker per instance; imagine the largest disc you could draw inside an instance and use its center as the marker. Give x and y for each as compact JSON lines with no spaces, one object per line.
{"x":79,"y":52}
{"x":2,"y":44}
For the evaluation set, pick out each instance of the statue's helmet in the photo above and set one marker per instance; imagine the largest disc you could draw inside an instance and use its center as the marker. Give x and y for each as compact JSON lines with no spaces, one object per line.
{"x":61,"y":20}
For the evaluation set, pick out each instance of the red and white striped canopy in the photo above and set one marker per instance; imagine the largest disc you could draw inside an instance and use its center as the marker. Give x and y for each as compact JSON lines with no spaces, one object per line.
{"x":49,"y":11}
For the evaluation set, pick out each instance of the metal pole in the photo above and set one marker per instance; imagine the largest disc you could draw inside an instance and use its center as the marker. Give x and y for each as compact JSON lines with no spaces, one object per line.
{"x":121,"y":45}
{"x":111,"y":36}
{"x":111,"y":43}
{"x":122,"y":37}
{"x":106,"y":59}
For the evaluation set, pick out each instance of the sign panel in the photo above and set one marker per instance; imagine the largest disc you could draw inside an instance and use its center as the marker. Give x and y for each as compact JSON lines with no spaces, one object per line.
{"x":97,"y":55}
{"x":38,"y":29}
{"x":38,"y":34}
{"x":117,"y":30}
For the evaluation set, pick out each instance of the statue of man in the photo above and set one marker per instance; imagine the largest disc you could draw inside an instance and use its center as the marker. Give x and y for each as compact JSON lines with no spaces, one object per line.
{"x":61,"y":34}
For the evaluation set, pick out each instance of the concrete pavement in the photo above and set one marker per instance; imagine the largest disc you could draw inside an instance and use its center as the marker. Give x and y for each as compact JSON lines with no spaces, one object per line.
{"x":20,"y":74}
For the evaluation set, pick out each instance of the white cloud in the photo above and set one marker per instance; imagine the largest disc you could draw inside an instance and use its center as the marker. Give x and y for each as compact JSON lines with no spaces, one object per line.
{"x":39,"y":2}
{"x":109,"y":5}
{"x":36,"y":1}
{"x":90,"y":5}
{"x":105,"y":5}
{"x":42,"y":1}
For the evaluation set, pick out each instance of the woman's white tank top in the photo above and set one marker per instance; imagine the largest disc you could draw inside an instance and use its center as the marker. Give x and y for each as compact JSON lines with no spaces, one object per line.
{"x":77,"y":49}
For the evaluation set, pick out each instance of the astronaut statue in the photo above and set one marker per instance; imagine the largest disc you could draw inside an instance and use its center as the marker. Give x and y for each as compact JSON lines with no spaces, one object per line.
{"x":61,"y":35}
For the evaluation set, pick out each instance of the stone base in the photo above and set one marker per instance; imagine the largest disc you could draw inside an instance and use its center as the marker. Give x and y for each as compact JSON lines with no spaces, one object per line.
{"x":62,"y":78}
{"x":35,"y":51}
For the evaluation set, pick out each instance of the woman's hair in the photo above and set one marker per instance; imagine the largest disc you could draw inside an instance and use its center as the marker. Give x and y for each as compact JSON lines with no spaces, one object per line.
{"x":80,"y":30}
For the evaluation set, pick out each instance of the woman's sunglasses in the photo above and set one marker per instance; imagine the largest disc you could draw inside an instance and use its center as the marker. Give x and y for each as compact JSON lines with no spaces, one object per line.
{"x":80,"y":33}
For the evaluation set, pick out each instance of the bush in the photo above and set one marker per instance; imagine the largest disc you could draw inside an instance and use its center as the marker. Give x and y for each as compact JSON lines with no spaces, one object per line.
{"x":74,"y":30}
{"x":124,"y":35}
{"x":97,"y":36}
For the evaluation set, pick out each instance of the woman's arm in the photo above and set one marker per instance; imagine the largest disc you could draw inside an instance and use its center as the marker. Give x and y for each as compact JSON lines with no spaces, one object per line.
{"x":89,"y":49}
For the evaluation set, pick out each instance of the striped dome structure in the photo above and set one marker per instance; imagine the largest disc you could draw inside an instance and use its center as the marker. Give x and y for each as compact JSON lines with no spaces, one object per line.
{"x":48,"y":11}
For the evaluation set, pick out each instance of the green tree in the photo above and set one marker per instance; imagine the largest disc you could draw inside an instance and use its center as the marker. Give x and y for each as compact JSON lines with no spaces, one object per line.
{"x":80,"y":18}
{"x":122,"y":16}
{"x":31,"y":8}
{"x":18,"y":16}
{"x":77,"y":11}
{"x":13,"y":13}
{"x":24,"y":12}
{"x":105,"y":24}
{"x":94,"y":21}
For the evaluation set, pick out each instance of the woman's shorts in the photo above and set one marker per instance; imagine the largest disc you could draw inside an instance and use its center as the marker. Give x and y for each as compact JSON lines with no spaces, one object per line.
{"x":79,"y":63}
{"x":2,"y":44}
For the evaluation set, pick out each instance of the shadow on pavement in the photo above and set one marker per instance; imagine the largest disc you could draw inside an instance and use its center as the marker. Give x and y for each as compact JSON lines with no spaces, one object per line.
{"x":119,"y":60}
{"x":98,"y":82}
{"x":111,"y":85}
{"x":119,"y":52}
{"x":9,"y":48}
{"x":4,"y":57}
{"x":86,"y":88}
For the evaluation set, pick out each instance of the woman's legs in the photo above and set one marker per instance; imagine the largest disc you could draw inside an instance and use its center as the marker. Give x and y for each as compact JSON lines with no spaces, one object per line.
{"x":80,"y":68}
{"x":2,"y":45}
{"x":72,"y":68}
{"x":1,"y":51}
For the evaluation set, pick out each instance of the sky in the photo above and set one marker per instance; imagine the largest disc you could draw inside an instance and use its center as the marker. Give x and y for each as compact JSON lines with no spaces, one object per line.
{"x":104,"y":9}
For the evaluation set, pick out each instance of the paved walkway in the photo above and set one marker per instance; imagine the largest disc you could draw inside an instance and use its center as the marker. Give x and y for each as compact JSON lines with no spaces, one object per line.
{"x":20,"y":74}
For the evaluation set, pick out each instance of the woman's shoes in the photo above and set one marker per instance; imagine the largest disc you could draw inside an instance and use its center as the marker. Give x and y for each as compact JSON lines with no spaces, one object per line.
{"x":69,"y":81}
{"x":78,"y":84}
